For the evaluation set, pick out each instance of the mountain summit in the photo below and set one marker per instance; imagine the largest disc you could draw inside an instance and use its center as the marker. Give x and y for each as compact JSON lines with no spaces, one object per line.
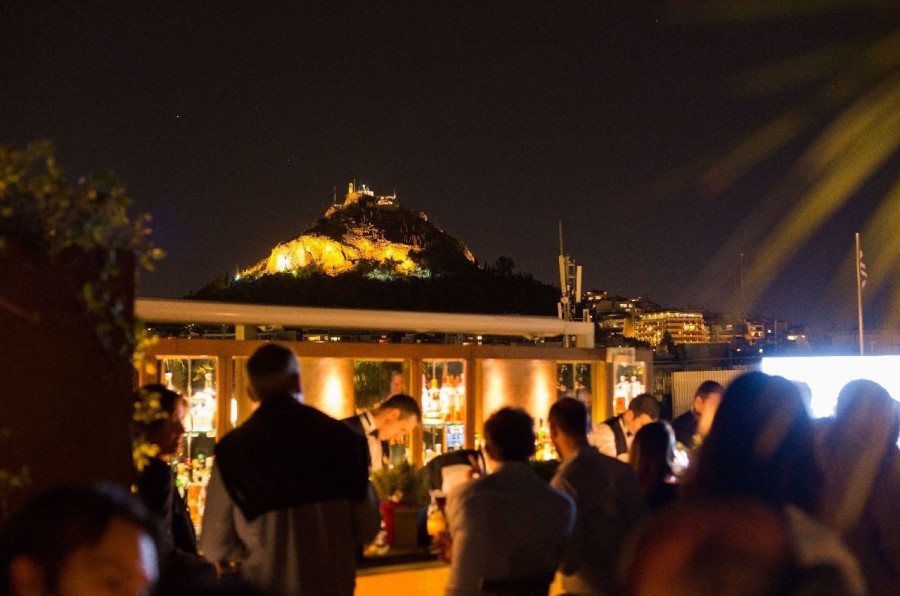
{"x":369,"y":234}
{"x":371,"y":252}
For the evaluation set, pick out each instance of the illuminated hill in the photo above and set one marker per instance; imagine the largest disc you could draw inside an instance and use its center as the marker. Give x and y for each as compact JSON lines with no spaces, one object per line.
{"x":370,"y":252}
{"x":368,"y":234}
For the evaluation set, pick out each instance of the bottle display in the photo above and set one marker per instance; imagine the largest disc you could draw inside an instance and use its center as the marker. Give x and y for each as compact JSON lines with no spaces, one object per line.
{"x":629,"y":384}
{"x":203,"y":407}
{"x":194,"y":378}
{"x":443,"y":406}
{"x":543,"y":446}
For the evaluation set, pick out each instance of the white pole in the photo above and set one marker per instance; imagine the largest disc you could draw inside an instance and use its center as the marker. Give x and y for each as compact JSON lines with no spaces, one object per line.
{"x":859,"y":298}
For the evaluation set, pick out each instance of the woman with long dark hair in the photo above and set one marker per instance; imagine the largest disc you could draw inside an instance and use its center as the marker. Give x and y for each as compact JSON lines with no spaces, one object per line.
{"x":761,"y":446}
{"x":652,"y":455}
{"x":859,"y":453}
{"x":156,"y":482}
{"x":761,"y":449}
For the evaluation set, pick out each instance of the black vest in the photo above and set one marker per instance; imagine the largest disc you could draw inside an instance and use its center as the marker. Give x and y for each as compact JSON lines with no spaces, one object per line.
{"x":619,"y":434}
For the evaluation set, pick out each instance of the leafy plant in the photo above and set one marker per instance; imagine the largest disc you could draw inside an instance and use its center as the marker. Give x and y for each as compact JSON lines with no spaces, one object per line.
{"x":545,"y":469}
{"x":42,"y":209}
{"x":147,"y":410}
{"x":13,"y":478}
{"x":401,"y":484}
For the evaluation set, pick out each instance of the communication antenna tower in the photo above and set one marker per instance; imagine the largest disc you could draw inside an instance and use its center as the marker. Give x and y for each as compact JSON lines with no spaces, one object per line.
{"x":569,"y":284}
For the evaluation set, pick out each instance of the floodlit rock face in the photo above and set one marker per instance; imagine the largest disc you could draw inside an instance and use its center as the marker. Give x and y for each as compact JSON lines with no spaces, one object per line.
{"x":367,"y":232}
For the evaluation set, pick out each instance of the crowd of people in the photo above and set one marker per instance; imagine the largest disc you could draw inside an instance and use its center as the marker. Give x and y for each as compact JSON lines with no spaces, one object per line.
{"x":743,"y":494}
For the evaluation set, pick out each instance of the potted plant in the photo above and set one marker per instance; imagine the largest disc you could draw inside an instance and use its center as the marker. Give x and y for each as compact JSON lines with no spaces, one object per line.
{"x":401,"y":490}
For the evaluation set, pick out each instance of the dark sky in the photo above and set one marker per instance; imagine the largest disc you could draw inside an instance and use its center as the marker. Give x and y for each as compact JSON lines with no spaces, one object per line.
{"x":231,"y":123}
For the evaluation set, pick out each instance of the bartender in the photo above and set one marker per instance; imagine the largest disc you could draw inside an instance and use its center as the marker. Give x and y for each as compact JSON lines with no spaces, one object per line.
{"x":393,"y":418}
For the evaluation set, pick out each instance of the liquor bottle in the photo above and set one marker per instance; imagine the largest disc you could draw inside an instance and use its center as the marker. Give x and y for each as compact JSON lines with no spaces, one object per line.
{"x":203,"y":407}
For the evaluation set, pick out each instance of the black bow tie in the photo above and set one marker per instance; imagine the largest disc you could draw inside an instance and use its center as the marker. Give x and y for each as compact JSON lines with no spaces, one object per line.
{"x":628,"y":434}
{"x":373,"y":433}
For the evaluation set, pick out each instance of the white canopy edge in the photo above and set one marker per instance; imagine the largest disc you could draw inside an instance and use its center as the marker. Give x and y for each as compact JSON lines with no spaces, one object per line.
{"x":164,"y":310}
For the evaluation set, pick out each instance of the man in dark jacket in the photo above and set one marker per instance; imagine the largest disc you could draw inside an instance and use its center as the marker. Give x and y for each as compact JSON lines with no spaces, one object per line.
{"x":608,"y":502}
{"x":289,"y":500}
{"x":685,"y":426}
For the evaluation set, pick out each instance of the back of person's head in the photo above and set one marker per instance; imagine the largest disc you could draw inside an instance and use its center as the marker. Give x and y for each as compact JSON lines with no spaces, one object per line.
{"x":645,"y":404}
{"x":652,"y":454}
{"x":156,"y":412}
{"x":859,"y":450}
{"x":509,"y":435}
{"x":713,"y":548}
{"x":869,"y":406}
{"x":51,"y":527}
{"x":708,"y":387}
{"x":569,"y":415}
{"x":272,"y":370}
{"x":407,"y":405}
{"x":760,"y":446}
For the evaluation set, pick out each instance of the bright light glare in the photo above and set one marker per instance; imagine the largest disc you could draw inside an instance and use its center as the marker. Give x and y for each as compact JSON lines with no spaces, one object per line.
{"x":333,"y":393}
{"x":826,"y":375}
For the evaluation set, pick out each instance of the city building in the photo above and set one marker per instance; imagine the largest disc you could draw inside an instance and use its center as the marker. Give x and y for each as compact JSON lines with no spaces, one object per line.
{"x":684,"y":327}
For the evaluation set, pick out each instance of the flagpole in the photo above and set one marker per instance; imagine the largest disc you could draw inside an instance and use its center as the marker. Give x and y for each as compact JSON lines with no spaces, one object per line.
{"x":859,"y":296}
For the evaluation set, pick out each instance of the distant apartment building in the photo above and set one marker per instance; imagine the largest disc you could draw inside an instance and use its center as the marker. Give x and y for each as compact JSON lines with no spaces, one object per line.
{"x":747,"y":332}
{"x":725,"y":332}
{"x":755,"y":332}
{"x":602,"y":304}
{"x":685,"y":327}
{"x":616,"y":324}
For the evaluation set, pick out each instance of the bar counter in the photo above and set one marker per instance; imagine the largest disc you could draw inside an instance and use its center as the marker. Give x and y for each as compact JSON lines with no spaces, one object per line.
{"x":425,"y":578}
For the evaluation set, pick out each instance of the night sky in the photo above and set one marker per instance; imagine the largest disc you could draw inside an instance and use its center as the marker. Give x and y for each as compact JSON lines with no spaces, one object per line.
{"x":233,"y":123}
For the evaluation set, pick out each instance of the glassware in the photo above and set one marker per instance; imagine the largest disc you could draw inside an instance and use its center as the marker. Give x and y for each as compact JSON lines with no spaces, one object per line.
{"x":435,"y":521}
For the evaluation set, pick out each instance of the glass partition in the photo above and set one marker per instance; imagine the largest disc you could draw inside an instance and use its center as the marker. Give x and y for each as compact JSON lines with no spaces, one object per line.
{"x":629,"y":382}
{"x":195,"y":378}
{"x":373,"y":382}
{"x":443,"y":406}
{"x":376,"y":380}
{"x":574,"y":380}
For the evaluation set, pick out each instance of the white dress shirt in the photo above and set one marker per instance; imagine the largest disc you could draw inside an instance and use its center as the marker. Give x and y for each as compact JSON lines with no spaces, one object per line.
{"x":376,"y":452}
{"x":602,"y":437}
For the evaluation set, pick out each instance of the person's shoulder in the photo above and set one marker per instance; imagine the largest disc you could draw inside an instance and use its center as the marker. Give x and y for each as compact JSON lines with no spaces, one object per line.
{"x":614,"y":465}
{"x":156,"y":467}
{"x":594,"y":458}
{"x":325,"y":422}
{"x":467,"y":491}
{"x":156,"y":474}
{"x":683,"y":418}
{"x":231,"y":437}
{"x":559,"y":498}
{"x":590,"y":461}
{"x":353,"y":422}
{"x":605,"y":427}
